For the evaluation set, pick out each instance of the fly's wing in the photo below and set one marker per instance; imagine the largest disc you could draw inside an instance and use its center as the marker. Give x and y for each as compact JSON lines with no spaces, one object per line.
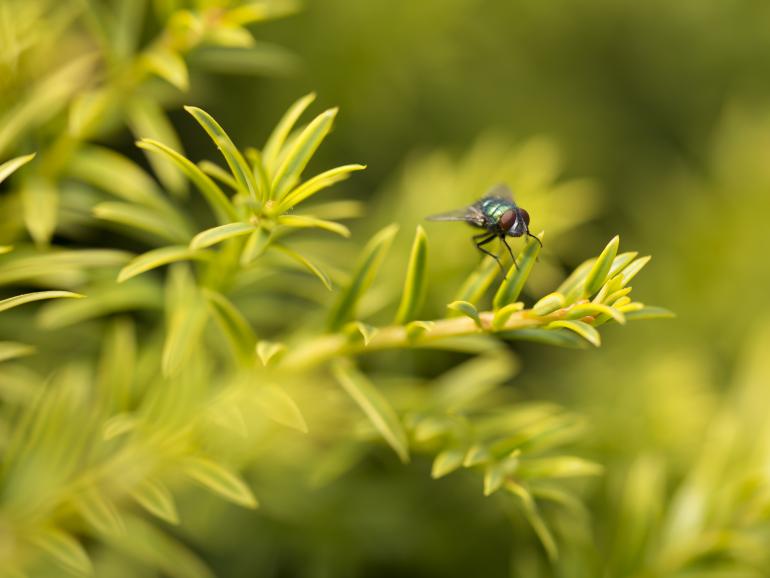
{"x":471,"y":214}
{"x":500,"y":191}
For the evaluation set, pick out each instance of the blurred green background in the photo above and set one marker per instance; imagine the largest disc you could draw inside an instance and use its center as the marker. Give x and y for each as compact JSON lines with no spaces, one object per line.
{"x":665,"y":106}
{"x":646,"y":119}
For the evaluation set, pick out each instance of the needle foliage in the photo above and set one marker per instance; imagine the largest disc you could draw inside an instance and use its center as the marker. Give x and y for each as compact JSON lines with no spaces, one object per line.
{"x":209,"y":325}
{"x":184,"y":363}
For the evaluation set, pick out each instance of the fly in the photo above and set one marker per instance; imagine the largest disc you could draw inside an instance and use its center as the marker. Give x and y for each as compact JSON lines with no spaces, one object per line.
{"x":500,"y":217}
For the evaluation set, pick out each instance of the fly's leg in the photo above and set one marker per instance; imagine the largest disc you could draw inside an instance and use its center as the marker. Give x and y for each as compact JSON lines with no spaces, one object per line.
{"x":535,"y":238}
{"x":507,"y":246}
{"x":478,"y":240}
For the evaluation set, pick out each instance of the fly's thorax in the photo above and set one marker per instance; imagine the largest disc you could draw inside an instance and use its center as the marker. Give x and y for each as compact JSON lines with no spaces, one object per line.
{"x":496,"y":208}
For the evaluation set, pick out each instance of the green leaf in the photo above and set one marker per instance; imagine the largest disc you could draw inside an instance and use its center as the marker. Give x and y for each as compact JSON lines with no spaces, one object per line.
{"x":478,"y":282}
{"x":558,"y":337}
{"x":11,"y":166}
{"x":269,"y":350}
{"x":89,"y":111}
{"x":278,"y":405}
{"x":117,"y":364}
{"x":600,"y":271}
{"x":147,"y":119}
{"x":317,"y":183}
{"x":259,"y":11}
{"x":44,"y":99}
{"x":548,"y":304}
{"x":300,"y":153}
{"x":455,"y":390}
{"x":358,"y":328}
{"x":561,"y":498}
{"x":630,"y":307}
{"x":127,"y":28}
{"x":118,"y":425}
{"x":156,"y":498}
{"x":621,"y":303}
{"x":162,"y":554}
{"x":221,"y":233}
{"x":511,"y":287}
{"x":143,"y":218}
{"x":610,"y":286}
{"x":368,"y":264}
{"x":494,"y":476}
{"x":649,"y":312}
{"x":40,"y":202}
{"x":307,"y":264}
{"x":558,"y":467}
{"x":117,"y":175}
{"x":571,"y":285}
{"x":502,"y":315}
{"x":585,"y":330}
{"x":621,"y":262}
{"x":12,"y":350}
{"x":416,"y":329}
{"x":104,"y":300}
{"x":228,"y":415}
{"x":255,"y":245}
{"x":613,"y":298}
{"x":234,"y":37}
{"x":168,"y":65}
{"x":37,"y":296}
{"x":534,"y":518}
{"x":467,"y":309}
{"x":235,"y":326}
{"x":595,"y":309}
{"x":219,"y":203}
{"x":278,"y":137}
{"x":157,"y":258}
{"x":101,"y":514}
{"x":186,"y":323}
{"x":447,"y":462}
{"x":238,"y":166}
{"x":415,"y":285}
{"x":477,"y":455}
{"x":374,"y":405}
{"x":631,"y":271}
{"x":65,"y":549}
{"x":342,"y":209}
{"x":216,"y":172}
{"x":430,"y":428}
{"x":258,"y":167}
{"x":220,"y":480}
{"x":307,"y":221}
{"x":244,"y":55}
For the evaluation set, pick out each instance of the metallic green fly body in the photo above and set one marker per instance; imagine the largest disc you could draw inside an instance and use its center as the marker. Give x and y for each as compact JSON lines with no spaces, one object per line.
{"x":499,"y":216}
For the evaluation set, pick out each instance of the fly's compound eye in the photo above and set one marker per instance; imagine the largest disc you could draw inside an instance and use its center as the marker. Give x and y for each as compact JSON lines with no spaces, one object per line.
{"x":507,"y":220}
{"x":525,"y":216}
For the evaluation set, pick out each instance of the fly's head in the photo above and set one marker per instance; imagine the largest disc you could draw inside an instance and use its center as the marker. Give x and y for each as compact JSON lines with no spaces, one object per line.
{"x":515,"y":222}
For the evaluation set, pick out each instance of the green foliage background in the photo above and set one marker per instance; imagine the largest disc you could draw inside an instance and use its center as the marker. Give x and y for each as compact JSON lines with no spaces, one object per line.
{"x":220,"y":362}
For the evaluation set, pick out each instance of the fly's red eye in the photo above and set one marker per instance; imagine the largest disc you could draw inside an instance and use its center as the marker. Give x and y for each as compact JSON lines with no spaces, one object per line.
{"x":525,"y":216}
{"x":507,"y":220}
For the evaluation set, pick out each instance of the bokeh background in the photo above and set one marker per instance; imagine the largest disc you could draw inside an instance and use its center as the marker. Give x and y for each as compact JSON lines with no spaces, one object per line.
{"x":650,"y":120}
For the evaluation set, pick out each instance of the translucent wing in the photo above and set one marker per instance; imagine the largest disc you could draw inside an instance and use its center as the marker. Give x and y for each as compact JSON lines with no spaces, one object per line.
{"x":471,"y":214}
{"x":499,"y":191}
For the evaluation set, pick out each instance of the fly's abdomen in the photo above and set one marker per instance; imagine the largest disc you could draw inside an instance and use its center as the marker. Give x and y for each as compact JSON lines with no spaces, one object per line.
{"x":494,"y":208}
